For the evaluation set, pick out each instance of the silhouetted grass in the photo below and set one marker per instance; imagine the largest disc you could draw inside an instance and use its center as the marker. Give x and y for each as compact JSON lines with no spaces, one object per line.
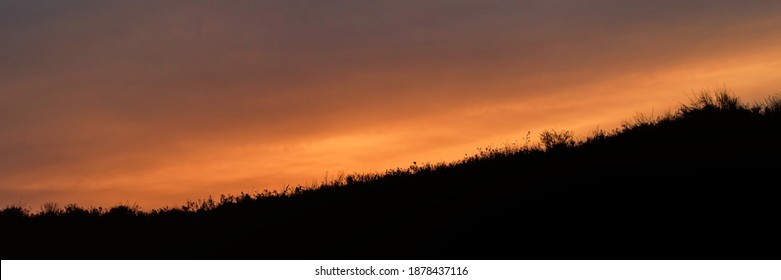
{"x":696,"y":183}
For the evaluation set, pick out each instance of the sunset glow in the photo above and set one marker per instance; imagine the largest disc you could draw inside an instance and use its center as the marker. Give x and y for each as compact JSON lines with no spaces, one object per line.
{"x":155,"y":103}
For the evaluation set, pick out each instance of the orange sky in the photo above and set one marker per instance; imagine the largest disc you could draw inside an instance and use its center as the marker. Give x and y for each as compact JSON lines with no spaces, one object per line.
{"x":157,"y":103}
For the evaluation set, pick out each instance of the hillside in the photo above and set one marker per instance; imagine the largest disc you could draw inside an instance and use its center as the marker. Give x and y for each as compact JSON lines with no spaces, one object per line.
{"x":698,"y":183}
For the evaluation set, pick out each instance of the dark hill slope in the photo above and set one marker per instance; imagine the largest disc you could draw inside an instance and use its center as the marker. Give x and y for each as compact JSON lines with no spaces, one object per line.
{"x":701,"y":183}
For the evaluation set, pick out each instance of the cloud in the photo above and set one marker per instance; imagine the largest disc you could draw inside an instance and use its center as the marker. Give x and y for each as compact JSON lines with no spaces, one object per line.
{"x":153,"y":95}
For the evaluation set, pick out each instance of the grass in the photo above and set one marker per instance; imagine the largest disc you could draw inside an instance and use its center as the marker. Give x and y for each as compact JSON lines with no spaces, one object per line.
{"x":694,"y":183}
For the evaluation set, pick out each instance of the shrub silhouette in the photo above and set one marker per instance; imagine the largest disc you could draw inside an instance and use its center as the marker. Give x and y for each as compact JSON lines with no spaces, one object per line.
{"x":51,"y":209}
{"x":14,"y":212}
{"x":687,"y":184}
{"x":552,"y":139}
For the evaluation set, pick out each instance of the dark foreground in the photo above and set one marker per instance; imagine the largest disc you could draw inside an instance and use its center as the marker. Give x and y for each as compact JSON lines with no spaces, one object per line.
{"x":698,"y":184}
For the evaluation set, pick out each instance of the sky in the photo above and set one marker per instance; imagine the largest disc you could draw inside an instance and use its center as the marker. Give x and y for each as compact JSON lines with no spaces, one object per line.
{"x":158,"y":102}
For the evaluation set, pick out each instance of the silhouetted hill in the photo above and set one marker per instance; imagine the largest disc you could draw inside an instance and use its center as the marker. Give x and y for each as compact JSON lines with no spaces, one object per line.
{"x":699,"y":183}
